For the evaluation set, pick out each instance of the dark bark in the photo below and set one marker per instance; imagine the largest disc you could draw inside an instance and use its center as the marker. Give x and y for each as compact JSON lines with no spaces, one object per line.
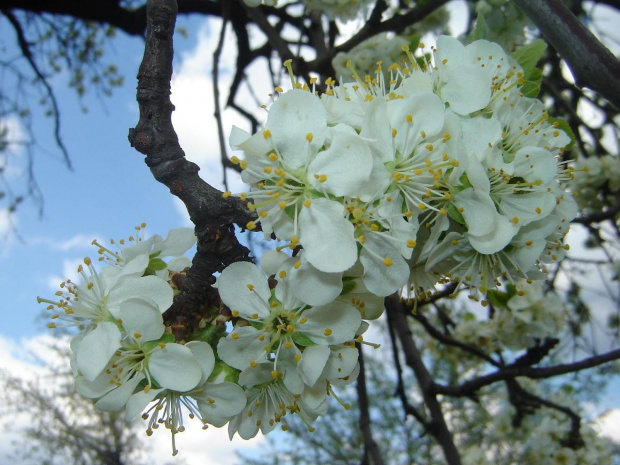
{"x":213,"y":216}
{"x":591,"y":63}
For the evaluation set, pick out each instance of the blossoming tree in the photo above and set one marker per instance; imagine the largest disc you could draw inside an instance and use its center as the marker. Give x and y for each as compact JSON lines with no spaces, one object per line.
{"x":429,"y":187}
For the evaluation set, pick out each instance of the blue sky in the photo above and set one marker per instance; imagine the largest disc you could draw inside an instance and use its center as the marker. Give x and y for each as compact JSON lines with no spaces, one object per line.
{"x":110,"y":189}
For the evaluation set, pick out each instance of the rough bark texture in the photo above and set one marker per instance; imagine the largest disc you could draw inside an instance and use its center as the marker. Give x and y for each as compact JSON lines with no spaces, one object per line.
{"x":213,"y":216}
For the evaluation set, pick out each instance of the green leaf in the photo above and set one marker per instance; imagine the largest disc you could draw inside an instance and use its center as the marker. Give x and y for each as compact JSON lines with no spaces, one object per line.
{"x":529,"y":55}
{"x":302,"y":340}
{"x":531,"y":88}
{"x":481,"y":30}
{"x":564,"y":126}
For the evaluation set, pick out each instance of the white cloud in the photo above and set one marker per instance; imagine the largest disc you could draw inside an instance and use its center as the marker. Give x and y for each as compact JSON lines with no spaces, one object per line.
{"x":69,"y":271}
{"x":608,"y":425}
{"x":79,"y":241}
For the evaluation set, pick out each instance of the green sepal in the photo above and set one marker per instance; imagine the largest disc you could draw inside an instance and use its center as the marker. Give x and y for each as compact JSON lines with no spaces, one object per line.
{"x":413,"y":42}
{"x":157,"y":264}
{"x":563,"y":125}
{"x":303,"y":340}
{"x":223,"y":373}
{"x":167,"y":338}
{"x":209,"y":334}
{"x":348,"y":285}
{"x":481,"y":29}
{"x":499,"y":298}
{"x":455,"y":214}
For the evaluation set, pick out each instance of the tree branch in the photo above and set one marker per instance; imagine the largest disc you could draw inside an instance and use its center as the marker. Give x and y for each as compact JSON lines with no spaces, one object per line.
{"x":370,"y":445}
{"x":437,"y":425}
{"x":468,"y":388}
{"x":591,"y":63}
{"x":154,"y":136}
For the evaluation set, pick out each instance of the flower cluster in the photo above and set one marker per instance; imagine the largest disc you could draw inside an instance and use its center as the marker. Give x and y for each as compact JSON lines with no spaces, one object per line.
{"x":338,"y":9}
{"x":124,"y":356}
{"x":450,"y":155}
{"x":595,"y":182}
{"x":289,"y":353}
{"x":364,"y":57}
{"x":427,"y":173}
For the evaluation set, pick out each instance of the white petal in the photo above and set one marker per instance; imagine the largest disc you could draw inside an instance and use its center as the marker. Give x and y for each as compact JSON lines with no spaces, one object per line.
{"x":427,"y":114}
{"x":378,"y":278}
{"x":138,"y":402}
{"x":238,"y":353}
{"x":204,"y":356}
{"x":141,"y":319}
{"x":271,"y":260}
{"x":480,"y":135}
{"x":312,"y":363}
{"x":117,"y":398}
{"x":96,"y":349}
{"x":156,"y":289}
{"x":347,"y":163}
{"x":331,"y":324}
{"x":229,"y":400}
{"x":500,"y":236}
{"x":312,"y":286}
{"x":243,"y":287}
{"x":179,"y":241}
{"x":535,"y":164}
{"x":341,"y":363}
{"x":174,"y":367}
{"x":479,"y":211}
{"x":293,"y":116}
{"x":327,"y":236}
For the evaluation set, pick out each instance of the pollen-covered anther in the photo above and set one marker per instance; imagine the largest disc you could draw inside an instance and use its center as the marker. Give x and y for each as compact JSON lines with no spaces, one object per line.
{"x":387,"y":261}
{"x":515,"y":220}
{"x":226,"y":194}
{"x":250,"y":286}
{"x":235,"y":313}
{"x":307,"y":203}
{"x":266,"y":133}
{"x":235,"y":336}
{"x":309,"y":137}
{"x":411,"y":243}
{"x":327,"y":332}
{"x":251,"y":225}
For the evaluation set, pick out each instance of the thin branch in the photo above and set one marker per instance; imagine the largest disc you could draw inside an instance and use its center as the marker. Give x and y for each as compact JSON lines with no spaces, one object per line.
{"x":371,"y":449}
{"x":437,"y":425}
{"x":216,"y":97}
{"x":400,"y":388}
{"x":511,"y":371}
{"x":24,"y":46}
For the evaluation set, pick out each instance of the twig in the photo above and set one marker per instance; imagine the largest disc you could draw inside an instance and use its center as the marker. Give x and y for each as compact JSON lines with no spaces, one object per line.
{"x":216,"y":96}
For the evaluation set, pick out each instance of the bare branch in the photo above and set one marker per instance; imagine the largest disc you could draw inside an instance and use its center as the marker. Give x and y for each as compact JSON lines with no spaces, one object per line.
{"x":591,"y":63}
{"x":154,"y":136}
